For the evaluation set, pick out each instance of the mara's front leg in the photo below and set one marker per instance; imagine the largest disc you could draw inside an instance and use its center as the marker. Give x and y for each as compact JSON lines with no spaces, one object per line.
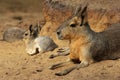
{"x":84,"y":56}
{"x":68,"y":70}
{"x":57,"y":65}
{"x":83,"y":63}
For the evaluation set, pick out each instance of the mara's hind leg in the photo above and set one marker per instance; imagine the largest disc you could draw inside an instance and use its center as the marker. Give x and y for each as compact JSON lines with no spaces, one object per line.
{"x":54,"y":66}
{"x":68,"y":70}
{"x":61,"y":52}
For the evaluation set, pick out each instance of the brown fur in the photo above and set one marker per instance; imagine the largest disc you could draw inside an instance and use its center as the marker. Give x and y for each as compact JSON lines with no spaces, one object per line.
{"x":86,"y":45}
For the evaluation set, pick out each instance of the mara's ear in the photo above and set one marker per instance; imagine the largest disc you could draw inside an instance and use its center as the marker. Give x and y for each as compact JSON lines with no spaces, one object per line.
{"x":77,"y":11}
{"x":30,"y":28}
{"x":39,"y":26}
{"x":36,"y":28}
{"x":84,"y":15}
{"x":84,"y":11}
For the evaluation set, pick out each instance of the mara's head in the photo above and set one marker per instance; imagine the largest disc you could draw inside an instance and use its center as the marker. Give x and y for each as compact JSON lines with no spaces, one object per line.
{"x":74,"y":26}
{"x":32,"y":32}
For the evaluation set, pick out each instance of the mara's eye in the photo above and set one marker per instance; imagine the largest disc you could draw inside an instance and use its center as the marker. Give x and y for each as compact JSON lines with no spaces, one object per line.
{"x":26,"y":34}
{"x":72,"y":25}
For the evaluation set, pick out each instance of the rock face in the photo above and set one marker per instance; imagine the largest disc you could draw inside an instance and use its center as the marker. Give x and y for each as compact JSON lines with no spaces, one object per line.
{"x":101,"y":13}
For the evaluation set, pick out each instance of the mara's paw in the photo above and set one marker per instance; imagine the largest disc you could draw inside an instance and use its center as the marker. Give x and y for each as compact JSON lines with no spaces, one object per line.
{"x":52,"y":67}
{"x":32,"y":54}
{"x":52,"y":56}
{"x":62,"y":73}
{"x":55,"y":66}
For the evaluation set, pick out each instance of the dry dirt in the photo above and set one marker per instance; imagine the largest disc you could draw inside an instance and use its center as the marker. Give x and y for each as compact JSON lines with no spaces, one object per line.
{"x":16,"y":64}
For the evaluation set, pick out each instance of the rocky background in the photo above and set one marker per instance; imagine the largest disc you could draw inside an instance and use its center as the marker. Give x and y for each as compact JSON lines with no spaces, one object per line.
{"x":101,"y":13}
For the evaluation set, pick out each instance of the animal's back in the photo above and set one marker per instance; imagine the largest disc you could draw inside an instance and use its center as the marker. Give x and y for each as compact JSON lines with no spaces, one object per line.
{"x":108,"y":44}
{"x":46,"y":43}
{"x":13,"y":34}
{"x":113,"y":35}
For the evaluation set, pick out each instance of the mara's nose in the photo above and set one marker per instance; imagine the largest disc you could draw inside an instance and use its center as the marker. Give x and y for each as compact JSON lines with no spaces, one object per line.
{"x":58,"y":32}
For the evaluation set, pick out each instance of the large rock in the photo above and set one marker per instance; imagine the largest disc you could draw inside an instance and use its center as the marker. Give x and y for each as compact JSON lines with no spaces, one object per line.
{"x":101,"y":13}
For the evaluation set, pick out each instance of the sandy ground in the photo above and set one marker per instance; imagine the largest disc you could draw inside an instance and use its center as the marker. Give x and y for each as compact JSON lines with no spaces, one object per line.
{"x":16,"y":64}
